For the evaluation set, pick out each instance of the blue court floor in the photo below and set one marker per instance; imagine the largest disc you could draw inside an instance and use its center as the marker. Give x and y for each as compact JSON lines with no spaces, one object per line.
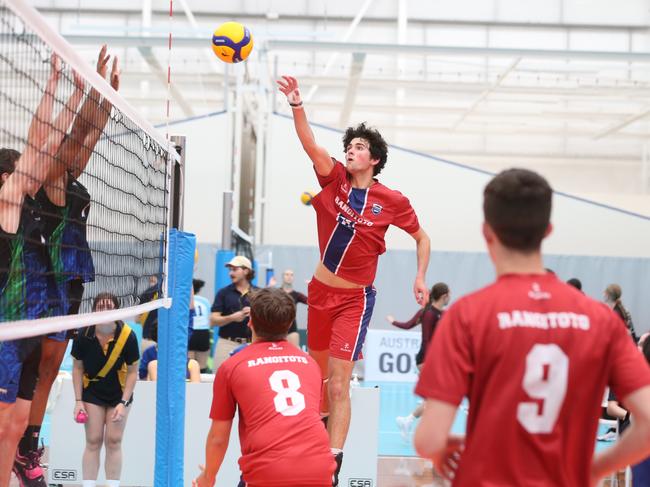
{"x":397,"y":399}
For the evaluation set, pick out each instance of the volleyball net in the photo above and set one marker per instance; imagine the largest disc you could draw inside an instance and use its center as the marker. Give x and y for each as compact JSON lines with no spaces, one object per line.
{"x":85,"y":188}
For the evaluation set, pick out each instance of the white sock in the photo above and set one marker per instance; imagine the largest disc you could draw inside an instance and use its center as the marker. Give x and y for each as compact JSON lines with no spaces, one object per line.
{"x":112,"y":483}
{"x":335,"y":451}
{"x":89,"y":483}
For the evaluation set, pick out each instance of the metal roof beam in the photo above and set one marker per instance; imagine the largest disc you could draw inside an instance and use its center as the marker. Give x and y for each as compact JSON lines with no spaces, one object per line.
{"x":370,"y":48}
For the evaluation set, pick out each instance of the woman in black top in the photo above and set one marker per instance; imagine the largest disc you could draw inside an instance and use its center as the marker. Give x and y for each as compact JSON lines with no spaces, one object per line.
{"x":104,"y":375}
{"x":428,"y":317}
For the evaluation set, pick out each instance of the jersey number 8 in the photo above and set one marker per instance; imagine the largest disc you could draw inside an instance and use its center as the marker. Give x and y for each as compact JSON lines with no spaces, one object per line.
{"x":288,"y":401}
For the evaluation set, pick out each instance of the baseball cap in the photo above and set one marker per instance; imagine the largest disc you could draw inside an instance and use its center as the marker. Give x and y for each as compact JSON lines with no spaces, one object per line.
{"x":240,"y":261}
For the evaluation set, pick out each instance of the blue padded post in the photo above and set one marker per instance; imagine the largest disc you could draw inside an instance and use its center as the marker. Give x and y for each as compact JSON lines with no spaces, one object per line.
{"x":221,"y":278}
{"x":172,"y":363}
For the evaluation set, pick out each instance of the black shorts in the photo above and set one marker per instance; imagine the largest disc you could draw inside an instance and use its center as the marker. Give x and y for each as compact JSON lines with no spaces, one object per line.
{"x":88,"y":396}
{"x":199,"y":341}
{"x":29,"y":372}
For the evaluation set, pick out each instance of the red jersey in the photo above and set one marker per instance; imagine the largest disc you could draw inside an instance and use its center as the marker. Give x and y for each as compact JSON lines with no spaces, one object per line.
{"x":533,"y":355}
{"x":277,"y":389}
{"x":352,"y":223}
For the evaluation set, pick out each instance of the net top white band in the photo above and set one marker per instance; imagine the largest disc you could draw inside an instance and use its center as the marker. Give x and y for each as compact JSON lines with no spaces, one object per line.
{"x":37,"y":23}
{"x":13,"y":330}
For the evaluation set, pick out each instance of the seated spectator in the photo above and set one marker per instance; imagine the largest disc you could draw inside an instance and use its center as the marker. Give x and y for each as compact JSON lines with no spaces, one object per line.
{"x":148,"y":369}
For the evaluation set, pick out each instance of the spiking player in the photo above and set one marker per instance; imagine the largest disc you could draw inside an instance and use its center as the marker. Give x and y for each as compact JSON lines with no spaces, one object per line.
{"x":353,"y":212}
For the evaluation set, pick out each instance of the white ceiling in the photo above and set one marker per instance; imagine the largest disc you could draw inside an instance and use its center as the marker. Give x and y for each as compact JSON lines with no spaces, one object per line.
{"x":557,"y":84}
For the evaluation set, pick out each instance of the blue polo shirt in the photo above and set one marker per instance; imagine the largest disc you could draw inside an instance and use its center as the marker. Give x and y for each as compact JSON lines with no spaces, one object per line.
{"x":228,"y":301}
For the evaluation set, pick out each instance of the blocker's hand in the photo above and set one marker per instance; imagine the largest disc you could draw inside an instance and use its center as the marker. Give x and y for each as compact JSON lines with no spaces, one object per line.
{"x":289,"y":86}
{"x":447,"y":464}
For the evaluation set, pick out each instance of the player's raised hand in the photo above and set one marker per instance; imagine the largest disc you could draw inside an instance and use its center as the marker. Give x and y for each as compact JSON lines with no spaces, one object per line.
{"x":390,"y":319}
{"x":421,"y":291}
{"x":102,"y":61}
{"x":115,"y":74}
{"x":201,"y":481}
{"x":447,"y":464}
{"x":289,"y":87}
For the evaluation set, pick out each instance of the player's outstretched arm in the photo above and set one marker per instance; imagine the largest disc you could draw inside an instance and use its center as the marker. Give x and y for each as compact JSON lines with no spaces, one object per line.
{"x":215,"y":450}
{"x":89,"y":124}
{"x":406,"y":325}
{"x":423,"y":246}
{"x":432,"y":439}
{"x":36,"y":161}
{"x":39,"y":127}
{"x":634,"y":444}
{"x":318,"y":155}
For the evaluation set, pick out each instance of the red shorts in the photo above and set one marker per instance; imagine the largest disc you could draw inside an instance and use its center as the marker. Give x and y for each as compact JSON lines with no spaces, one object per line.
{"x":338,"y":319}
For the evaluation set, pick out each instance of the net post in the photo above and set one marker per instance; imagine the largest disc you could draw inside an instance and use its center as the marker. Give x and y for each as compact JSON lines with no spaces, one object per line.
{"x":172,"y":338}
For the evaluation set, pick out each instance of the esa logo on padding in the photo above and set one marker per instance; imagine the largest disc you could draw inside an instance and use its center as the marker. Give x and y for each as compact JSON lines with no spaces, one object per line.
{"x":64,"y":475}
{"x":360,"y":483}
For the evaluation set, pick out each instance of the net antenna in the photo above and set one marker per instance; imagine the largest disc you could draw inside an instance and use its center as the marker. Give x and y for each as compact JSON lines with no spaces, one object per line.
{"x":128,"y":176}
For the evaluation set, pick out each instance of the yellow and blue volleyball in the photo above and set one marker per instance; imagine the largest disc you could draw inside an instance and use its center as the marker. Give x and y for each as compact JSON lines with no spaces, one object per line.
{"x":306,"y":198}
{"x":232,"y":42}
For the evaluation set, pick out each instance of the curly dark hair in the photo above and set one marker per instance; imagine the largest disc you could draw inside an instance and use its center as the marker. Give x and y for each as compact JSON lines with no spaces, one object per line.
{"x":378,"y":146}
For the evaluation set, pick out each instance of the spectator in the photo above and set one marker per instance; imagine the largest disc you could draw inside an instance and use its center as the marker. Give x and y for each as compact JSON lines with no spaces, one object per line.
{"x":575,"y":282}
{"x":428,"y":317}
{"x":231,"y":309}
{"x":199,"y":345}
{"x":104,"y":376}
{"x":149,"y":319}
{"x":613,"y":295}
{"x":148,"y":369}
{"x":287,"y":286}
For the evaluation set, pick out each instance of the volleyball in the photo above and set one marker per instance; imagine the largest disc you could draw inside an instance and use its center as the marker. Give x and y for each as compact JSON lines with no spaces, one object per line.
{"x":306,"y":198}
{"x":232,"y":42}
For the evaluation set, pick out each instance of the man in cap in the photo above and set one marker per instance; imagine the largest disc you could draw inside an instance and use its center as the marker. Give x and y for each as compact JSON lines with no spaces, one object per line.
{"x":231,"y":308}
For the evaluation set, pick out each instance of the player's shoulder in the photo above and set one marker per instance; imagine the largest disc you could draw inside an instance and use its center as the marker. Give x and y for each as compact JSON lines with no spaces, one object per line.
{"x":395,"y":196}
{"x":338,"y":168}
